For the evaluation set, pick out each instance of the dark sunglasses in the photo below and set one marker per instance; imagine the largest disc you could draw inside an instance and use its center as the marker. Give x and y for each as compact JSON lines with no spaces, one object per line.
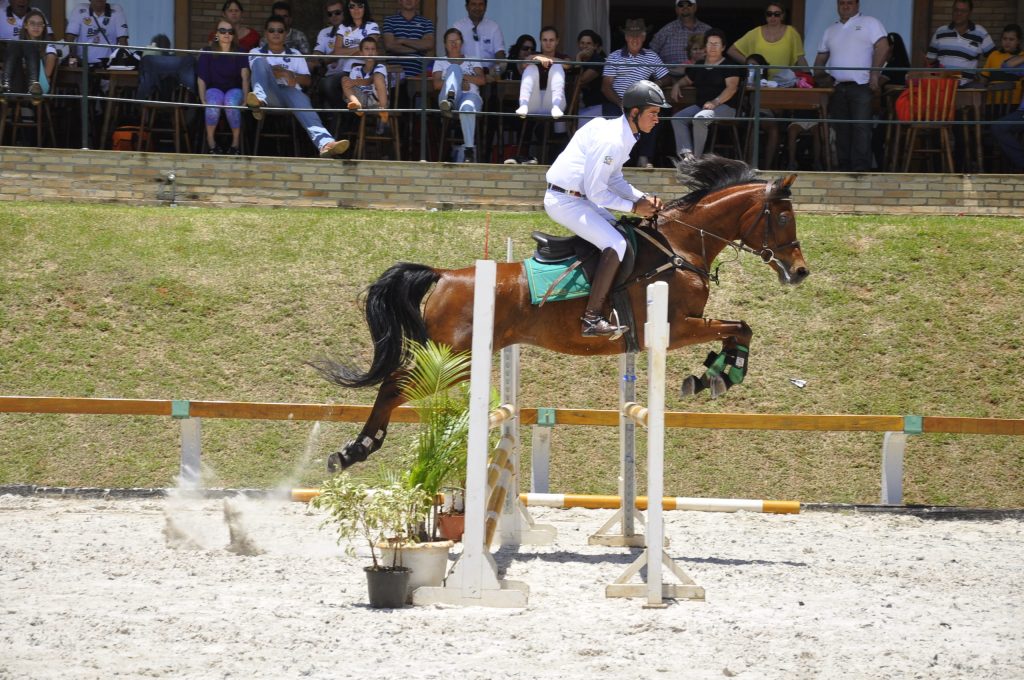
{"x":773,"y":14}
{"x":276,"y":30}
{"x":336,"y":13}
{"x":226,"y":31}
{"x":356,"y":5}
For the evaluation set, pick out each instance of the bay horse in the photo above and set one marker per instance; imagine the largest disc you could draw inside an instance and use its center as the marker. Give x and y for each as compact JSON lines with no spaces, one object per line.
{"x":727,"y":206}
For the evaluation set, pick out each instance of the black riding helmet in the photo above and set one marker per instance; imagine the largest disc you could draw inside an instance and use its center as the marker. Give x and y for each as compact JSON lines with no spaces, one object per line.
{"x":640,"y":95}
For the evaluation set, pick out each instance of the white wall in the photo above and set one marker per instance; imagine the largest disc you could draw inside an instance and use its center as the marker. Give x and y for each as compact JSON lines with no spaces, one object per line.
{"x":146,"y":18}
{"x":895,"y":16}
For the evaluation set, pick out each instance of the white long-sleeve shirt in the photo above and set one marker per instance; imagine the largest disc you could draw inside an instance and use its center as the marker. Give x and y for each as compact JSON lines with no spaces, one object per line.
{"x":592,"y":164}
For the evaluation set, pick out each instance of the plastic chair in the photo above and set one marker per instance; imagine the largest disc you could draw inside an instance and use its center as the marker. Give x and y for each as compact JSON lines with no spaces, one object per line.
{"x":932,"y":101}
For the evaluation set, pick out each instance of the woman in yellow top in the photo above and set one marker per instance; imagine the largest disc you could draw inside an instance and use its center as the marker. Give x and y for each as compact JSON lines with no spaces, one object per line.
{"x":1009,"y":47}
{"x":781,"y":45}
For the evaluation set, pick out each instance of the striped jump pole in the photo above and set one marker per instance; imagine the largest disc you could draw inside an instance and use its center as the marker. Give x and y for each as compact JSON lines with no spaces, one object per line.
{"x":567,"y":500}
{"x":656,"y":338}
{"x":474,"y":576}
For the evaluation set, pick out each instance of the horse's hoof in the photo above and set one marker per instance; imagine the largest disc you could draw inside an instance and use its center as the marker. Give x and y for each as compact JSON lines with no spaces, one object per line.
{"x":718,"y":386}
{"x":689,"y":387}
{"x":352,"y":453}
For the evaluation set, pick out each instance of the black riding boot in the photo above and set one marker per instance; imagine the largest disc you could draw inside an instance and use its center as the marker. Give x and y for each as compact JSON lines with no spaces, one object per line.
{"x":593,"y":322}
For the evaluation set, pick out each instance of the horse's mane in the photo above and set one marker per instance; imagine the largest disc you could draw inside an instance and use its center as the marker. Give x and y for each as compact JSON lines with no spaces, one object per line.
{"x":707,"y":174}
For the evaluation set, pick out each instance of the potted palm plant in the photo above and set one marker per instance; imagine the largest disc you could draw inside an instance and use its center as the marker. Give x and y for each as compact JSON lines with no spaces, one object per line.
{"x":382,"y":518}
{"x":436,"y":387}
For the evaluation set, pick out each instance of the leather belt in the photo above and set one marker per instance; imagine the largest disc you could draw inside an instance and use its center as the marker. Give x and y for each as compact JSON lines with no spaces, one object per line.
{"x":569,"y":192}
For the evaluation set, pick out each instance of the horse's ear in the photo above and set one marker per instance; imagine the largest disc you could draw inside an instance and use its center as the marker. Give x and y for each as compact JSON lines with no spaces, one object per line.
{"x":787,"y":181}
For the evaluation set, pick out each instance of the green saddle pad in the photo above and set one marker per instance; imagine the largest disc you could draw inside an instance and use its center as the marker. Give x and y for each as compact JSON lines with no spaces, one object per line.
{"x":542,"y":274}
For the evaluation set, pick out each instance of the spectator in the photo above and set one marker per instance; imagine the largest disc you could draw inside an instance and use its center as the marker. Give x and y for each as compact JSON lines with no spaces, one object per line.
{"x":358,"y":24}
{"x":856,"y":42}
{"x":223,"y":81}
{"x":778,"y":42}
{"x":408,"y":33}
{"x":15,"y":14}
{"x":278,"y":76}
{"x":523,"y":48}
{"x":695,"y":49}
{"x":328,"y":42}
{"x":898,"y":59}
{"x":672,"y":42}
{"x":591,"y":50}
{"x":1008,"y":135}
{"x":246,"y":37}
{"x":295,"y":39}
{"x":29,"y":60}
{"x":366,"y":84}
{"x":625,"y":67}
{"x":97,"y":23}
{"x":483,"y":38}
{"x":161,"y":72}
{"x":534,"y":97}
{"x":718,"y":91}
{"x":1009,"y":47}
{"x":459,"y":86}
{"x":961,"y":45}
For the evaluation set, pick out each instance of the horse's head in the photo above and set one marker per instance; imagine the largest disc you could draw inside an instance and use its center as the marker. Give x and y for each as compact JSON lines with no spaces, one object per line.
{"x":773,"y":237}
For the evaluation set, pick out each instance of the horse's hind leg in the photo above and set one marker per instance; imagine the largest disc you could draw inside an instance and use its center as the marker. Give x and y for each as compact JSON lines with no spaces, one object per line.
{"x":726,"y":368}
{"x":371,"y":437}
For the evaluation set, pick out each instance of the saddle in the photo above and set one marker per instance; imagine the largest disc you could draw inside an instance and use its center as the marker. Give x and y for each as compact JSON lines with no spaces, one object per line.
{"x":554,"y":249}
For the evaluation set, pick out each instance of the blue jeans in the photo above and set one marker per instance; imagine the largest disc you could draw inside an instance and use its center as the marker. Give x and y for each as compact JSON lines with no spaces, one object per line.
{"x":283,"y":97}
{"x":467,"y":103}
{"x":1008,"y":137}
{"x":853,"y":140}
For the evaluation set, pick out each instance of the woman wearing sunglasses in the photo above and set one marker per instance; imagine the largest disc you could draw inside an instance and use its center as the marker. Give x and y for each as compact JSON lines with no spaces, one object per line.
{"x":358,"y":24}
{"x":245,"y":37}
{"x":223,"y":80}
{"x":781,"y":45}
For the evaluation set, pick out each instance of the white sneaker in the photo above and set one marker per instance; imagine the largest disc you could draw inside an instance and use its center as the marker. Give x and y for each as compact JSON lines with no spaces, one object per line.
{"x":522,"y":111}
{"x":556,"y":112}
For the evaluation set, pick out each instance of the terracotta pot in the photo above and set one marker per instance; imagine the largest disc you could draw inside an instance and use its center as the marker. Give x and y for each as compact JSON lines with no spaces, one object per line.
{"x":451,"y":525}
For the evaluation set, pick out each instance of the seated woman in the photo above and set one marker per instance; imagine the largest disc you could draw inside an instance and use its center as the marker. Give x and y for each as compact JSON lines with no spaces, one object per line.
{"x":523,"y":48}
{"x":30,"y":60}
{"x":459,"y":86}
{"x":591,"y":50}
{"x":223,"y":80}
{"x":718,"y":92}
{"x":365,"y":86}
{"x":534,"y":97}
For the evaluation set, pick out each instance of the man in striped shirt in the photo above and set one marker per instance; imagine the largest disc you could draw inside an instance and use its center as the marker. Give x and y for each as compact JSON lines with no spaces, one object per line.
{"x":408,"y":33}
{"x":961,"y":44}
{"x":628,"y":66}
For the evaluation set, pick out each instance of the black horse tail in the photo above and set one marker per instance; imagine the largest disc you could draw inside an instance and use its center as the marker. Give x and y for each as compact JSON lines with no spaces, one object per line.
{"x":392,"y":308}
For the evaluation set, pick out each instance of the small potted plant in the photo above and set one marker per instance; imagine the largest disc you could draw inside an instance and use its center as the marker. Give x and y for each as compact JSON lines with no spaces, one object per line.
{"x":382,"y":517}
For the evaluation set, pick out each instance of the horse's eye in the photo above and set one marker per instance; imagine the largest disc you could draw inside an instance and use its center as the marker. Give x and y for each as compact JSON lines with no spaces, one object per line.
{"x":783,"y":218}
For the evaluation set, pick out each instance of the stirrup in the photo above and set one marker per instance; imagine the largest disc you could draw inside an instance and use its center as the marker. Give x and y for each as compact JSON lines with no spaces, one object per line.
{"x":595,"y":325}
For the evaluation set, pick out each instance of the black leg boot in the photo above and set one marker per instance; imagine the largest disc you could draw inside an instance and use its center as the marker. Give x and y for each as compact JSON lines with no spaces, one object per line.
{"x":594,"y":323}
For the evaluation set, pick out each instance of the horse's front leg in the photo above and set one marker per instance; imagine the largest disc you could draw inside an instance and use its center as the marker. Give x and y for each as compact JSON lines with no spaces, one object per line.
{"x":722,"y":369}
{"x":371,"y":437}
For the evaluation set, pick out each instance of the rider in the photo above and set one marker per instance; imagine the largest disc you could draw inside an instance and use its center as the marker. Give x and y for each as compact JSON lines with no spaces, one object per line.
{"x":585,"y":181}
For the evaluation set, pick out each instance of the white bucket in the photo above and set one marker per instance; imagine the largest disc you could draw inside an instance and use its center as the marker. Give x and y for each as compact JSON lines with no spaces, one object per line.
{"x":428,"y":561}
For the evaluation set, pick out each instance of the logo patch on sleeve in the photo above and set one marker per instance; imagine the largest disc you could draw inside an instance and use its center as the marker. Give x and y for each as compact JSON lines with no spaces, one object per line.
{"x":607,"y":160}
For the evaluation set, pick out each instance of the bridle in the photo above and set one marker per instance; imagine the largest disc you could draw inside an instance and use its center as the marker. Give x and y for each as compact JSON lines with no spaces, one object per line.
{"x":766,"y":253}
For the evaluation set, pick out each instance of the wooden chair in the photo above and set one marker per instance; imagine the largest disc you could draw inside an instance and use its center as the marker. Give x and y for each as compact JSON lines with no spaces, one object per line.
{"x":1000,"y":101}
{"x":739,"y":130}
{"x":279,"y":127}
{"x":41,"y":119}
{"x":173,"y":123}
{"x":932,"y":100}
{"x":389,"y":135}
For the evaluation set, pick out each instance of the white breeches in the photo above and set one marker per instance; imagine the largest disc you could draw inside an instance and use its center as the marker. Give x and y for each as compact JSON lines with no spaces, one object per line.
{"x":585,"y":219}
{"x":538,"y":100}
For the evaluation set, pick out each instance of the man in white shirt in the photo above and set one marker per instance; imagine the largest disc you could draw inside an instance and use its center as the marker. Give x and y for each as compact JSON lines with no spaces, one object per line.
{"x":329,"y":41}
{"x":99,"y":23}
{"x":278,"y":75}
{"x":482,"y":37}
{"x":586,"y":181}
{"x":849,"y":47}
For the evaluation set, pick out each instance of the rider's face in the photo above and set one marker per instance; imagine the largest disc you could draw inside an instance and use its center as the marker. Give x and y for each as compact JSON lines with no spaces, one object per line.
{"x":648,"y":118}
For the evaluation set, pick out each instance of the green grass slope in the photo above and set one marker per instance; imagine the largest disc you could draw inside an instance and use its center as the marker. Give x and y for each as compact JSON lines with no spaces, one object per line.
{"x":901,"y":315}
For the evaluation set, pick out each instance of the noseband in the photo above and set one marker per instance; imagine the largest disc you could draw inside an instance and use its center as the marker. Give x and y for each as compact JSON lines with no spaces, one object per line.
{"x":766,"y":253}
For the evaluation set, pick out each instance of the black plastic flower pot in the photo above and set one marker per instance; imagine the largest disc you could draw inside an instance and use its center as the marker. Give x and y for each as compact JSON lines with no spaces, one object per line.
{"x":387,"y":586}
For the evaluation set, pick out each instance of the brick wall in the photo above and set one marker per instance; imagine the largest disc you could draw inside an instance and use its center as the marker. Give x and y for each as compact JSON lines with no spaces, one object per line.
{"x":992,"y":14}
{"x":139,"y":178}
